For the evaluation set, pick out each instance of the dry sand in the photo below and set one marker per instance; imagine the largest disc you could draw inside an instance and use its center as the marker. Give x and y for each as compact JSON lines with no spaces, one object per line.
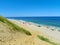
{"x":8,"y":37}
{"x":54,"y":35}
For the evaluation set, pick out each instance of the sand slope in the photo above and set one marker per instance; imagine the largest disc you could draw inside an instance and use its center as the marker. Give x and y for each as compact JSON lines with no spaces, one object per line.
{"x":11,"y":37}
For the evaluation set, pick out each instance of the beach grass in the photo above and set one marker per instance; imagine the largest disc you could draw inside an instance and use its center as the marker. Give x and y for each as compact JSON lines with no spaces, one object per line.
{"x":13,"y":26}
{"x":46,"y":40}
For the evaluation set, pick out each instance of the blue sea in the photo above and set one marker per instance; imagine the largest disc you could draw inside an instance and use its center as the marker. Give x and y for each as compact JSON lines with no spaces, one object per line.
{"x":51,"y":21}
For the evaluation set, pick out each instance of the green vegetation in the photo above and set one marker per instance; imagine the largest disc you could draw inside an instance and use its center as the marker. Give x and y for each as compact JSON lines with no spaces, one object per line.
{"x":46,"y":39}
{"x":13,"y":26}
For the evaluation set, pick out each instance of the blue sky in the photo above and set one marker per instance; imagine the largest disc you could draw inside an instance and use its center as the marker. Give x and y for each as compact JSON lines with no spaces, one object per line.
{"x":13,"y":8}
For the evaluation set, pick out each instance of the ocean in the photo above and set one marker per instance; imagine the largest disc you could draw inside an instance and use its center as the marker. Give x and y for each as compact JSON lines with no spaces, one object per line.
{"x":51,"y":21}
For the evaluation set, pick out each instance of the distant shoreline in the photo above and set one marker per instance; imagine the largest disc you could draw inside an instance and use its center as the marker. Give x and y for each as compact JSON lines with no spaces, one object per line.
{"x":50,"y":21}
{"x":50,"y":26}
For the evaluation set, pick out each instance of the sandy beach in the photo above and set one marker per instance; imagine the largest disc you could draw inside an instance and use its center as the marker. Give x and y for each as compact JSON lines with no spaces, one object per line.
{"x":53,"y":35}
{"x":12,"y":37}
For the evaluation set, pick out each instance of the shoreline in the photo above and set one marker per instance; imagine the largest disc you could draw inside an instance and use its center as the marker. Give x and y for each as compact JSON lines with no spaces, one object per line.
{"x":32,"y":23}
{"x":52,"y":34}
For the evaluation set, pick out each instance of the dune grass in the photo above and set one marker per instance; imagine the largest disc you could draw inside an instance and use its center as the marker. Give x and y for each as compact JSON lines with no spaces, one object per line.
{"x":46,"y":40}
{"x":13,"y":26}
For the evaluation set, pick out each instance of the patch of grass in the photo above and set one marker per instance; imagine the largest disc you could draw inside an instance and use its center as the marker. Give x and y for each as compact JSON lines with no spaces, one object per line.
{"x":46,"y":39}
{"x":13,"y":26}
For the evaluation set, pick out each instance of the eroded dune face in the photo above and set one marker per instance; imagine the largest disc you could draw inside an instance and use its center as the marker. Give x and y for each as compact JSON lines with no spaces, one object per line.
{"x":9,"y":37}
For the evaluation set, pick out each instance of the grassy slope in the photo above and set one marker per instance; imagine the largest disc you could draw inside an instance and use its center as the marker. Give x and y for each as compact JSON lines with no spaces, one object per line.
{"x":14,"y":26}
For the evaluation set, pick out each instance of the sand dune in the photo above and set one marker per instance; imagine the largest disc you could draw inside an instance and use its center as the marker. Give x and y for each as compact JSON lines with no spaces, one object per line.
{"x":10,"y":36}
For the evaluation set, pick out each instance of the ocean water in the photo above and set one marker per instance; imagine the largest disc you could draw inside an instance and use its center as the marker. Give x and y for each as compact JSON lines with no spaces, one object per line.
{"x":51,"y":21}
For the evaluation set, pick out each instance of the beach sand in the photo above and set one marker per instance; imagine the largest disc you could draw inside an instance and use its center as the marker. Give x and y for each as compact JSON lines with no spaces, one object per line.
{"x":17,"y":38}
{"x":53,"y":35}
{"x":42,"y":29}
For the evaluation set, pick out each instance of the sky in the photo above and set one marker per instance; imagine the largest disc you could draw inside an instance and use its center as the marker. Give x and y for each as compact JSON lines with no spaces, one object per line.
{"x":27,"y":8}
